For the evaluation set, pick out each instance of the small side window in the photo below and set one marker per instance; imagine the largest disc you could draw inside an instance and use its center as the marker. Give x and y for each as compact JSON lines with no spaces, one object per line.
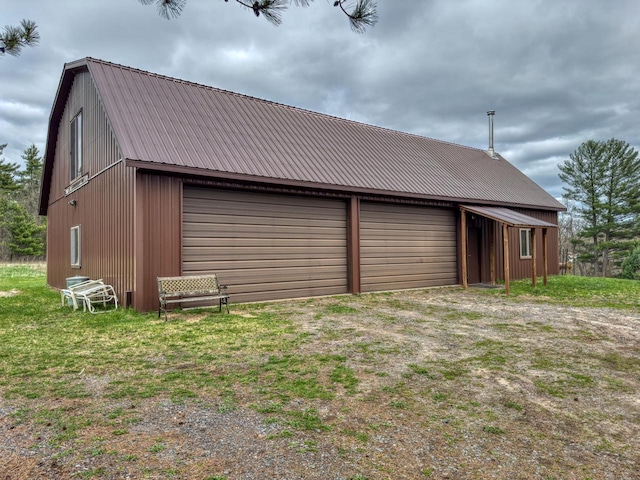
{"x":75,"y":141}
{"x":75,"y":247}
{"x":525,"y":243}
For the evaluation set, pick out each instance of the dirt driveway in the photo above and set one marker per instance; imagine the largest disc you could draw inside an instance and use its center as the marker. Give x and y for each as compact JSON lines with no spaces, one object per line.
{"x":439,"y":384}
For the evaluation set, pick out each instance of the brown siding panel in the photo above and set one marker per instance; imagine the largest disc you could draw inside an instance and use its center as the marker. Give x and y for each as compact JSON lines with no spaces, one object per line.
{"x":104,"y":212}
{"x":104,"y":206}
{"x":521,"y":268}
{"x":407,"y":247}
{"x":99,"y":147}
{"x":266,"y":246}
{"x":158,"y":226}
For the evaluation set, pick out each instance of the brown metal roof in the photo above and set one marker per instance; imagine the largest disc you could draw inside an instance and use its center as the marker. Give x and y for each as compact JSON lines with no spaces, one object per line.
{"x":511,"y":218}
{"x":169,"y":124}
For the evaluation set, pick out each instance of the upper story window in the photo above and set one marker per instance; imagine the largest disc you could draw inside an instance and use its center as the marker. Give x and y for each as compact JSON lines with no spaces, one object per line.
{"x":76,"y":146}
{"x":525,"y":243}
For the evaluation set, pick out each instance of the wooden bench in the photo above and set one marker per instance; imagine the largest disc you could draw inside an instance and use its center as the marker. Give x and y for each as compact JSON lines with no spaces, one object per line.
{"x":197,"y":288}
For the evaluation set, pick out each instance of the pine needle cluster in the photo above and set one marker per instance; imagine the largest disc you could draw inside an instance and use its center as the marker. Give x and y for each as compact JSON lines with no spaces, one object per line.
{"x":15,"y":37}
{"x":362,"y":14}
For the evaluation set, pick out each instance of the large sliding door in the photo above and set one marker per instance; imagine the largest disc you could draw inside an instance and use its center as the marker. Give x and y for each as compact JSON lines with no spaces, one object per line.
{"x":406,"y":247}
{"x":265,"y":246}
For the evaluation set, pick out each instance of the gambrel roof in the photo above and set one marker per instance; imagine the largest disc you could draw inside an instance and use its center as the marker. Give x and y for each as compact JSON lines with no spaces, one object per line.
{"x":166,"y":124}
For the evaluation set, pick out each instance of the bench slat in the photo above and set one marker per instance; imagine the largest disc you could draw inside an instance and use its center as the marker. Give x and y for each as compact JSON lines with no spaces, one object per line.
{"x":195,"y":299}
{"x":191,"y":294}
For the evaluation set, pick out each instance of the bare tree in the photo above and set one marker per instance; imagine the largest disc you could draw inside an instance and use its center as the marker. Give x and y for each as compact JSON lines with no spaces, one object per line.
{"x":570,"y":228}
{"x":15,"y":37}
{"x":361,"y":13}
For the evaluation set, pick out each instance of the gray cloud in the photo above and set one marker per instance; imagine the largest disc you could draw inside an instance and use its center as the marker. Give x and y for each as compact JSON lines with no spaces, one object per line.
{"x":557,"y":73}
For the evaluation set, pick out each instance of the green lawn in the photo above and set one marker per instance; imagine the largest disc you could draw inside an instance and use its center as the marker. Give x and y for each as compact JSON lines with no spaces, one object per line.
{"x":48,"y":348}
{"x":580,"y":291}
{"x":347,"y":377}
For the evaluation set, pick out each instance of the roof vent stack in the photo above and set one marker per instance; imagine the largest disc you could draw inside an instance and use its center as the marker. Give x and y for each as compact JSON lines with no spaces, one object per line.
{"x":491,"y":152}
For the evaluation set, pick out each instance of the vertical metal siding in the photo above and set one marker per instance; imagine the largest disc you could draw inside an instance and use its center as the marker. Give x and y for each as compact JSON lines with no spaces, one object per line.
{"x":158,"y":213}
{"x":521,"y":268}
{"x":104,"y":207}
{"x":353,"y":245}
{"x":266,"y":246}
{"x":407,"y":247}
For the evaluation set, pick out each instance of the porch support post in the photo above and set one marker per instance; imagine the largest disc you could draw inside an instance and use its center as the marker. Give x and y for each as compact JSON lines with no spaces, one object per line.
{"x":492,"y":252}
{"x":545,"y":255}
{"x":353,"y":247}
{"x":463,"y":246}
{"x":505,"y":240}
{"x":534,"y":260}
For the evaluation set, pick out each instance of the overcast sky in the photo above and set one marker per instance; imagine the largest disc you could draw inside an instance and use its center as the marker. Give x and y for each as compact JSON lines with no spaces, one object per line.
{"x":557,"y":73}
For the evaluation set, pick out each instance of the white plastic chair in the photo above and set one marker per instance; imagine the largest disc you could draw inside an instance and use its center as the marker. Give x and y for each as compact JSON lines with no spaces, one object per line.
{"x":90,"y":293}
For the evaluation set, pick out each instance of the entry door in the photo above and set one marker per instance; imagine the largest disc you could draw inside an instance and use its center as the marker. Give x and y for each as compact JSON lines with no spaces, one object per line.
{"x":474,"y":234}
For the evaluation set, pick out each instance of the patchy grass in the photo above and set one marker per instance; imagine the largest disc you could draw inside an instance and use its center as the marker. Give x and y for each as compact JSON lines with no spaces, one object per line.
{"x":419,"y":384}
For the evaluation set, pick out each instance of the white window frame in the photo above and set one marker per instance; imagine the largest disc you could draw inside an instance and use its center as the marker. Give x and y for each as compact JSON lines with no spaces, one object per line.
{"x":525,"y":243}
{"x":75,"y":151}
{"x":76,"y":246}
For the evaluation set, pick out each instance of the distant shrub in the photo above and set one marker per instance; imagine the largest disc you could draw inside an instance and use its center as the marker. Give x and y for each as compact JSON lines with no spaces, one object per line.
{"x":631,"y":265}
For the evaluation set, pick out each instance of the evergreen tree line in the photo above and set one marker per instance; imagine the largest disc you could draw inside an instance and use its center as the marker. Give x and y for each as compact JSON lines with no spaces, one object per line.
{"x":601,"y":228}
{"x":22,"y":230}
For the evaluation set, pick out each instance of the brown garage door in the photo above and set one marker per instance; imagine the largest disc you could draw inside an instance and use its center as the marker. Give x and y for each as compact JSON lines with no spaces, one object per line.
{"x":406,"y":247}
{"x":265,"y":246}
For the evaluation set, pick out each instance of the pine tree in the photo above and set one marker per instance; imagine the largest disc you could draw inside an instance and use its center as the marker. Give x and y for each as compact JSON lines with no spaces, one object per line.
{"x":631,"y":265}
{"x":583,"y":173}
{"x":361,"y":16}
{"x":26,"y":234}
{"x":22,"y":231}
{"x":620,"y":187}
{"x":29,"y":179}
{"x":7,"y":174}
{"x":4,"y":228}
{"x":603,"y":177}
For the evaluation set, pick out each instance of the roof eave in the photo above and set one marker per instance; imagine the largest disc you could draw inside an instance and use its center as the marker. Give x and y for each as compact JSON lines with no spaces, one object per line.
{"x":530,"y":222}
{"x":229,"y":176}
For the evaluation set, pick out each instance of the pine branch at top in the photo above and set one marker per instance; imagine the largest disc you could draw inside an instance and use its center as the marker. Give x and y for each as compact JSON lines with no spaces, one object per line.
{"x":361,"y":16}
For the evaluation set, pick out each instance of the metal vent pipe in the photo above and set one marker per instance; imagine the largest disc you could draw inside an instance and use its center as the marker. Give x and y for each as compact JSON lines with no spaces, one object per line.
{"x":491,"y":152}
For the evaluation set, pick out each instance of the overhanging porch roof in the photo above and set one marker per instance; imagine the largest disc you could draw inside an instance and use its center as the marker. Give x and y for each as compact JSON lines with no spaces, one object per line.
{"x":508,"y":217}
